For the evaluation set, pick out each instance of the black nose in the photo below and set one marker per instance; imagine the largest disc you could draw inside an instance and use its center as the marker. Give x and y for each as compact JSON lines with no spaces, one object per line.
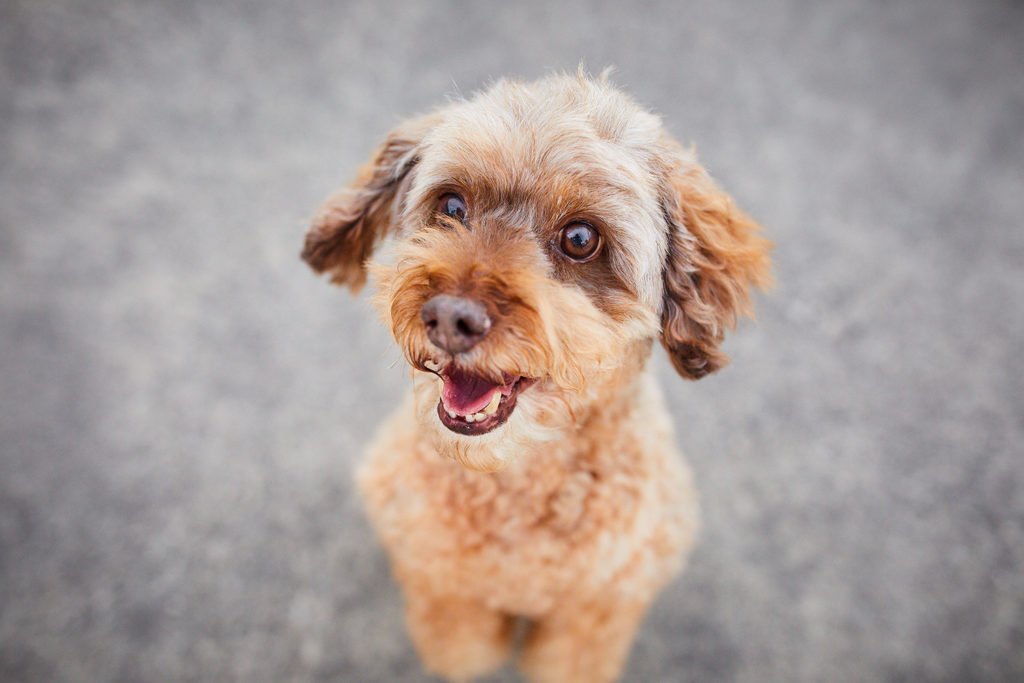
{"x":454,"y":323}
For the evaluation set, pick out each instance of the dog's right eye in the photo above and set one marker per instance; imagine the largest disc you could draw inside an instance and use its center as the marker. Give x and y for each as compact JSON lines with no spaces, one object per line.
{"x":451,"y":204}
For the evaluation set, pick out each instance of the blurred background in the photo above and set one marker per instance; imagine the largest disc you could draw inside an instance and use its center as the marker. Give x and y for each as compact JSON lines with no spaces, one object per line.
{"x":182,"y":401}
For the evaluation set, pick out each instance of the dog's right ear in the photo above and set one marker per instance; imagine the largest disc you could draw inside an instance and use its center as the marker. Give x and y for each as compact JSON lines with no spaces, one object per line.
{"x":353,"y":220}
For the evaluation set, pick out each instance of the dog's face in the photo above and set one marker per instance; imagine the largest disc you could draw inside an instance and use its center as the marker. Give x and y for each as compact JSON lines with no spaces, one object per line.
{"x":545,"y":234}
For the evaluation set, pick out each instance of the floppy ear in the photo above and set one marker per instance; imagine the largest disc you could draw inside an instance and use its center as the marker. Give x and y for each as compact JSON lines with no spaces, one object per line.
{"x":353,"y":220}
{"x":715,"y":257}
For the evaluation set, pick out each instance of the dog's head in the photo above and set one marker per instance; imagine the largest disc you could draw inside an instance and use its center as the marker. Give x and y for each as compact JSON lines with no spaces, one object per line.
{"x":545,"y":234}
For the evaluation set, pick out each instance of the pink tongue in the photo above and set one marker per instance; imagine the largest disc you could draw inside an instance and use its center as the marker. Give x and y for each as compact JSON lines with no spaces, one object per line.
{"x":464,"y":393}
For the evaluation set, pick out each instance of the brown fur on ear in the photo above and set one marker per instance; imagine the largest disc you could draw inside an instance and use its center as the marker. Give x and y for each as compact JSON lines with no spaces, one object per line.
{"x":353,"y":220}
{"x":715,"y":256}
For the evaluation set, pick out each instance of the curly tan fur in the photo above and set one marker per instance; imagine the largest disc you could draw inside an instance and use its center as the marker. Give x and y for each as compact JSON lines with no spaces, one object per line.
{"x":715,"y":257}
{"x":576,"y":511}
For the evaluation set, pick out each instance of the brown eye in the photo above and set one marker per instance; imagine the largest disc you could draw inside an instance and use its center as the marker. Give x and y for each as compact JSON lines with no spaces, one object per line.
{"x":580,"y":242}
{"x":451,"y":204}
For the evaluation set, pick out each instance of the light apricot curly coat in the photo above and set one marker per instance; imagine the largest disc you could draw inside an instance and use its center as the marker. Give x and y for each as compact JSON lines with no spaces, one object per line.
{"x":575,"y":511}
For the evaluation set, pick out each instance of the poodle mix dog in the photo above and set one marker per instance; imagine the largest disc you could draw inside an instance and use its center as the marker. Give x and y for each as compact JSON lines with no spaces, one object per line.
{"x":544,"y":235}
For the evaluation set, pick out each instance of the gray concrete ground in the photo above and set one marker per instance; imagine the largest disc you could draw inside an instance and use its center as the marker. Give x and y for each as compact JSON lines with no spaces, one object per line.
{"x":181,"y":401}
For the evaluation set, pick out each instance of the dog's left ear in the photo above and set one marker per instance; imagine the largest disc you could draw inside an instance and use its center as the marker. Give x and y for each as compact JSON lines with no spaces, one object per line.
{"x":715,"y":257}
{"x":352,"y":221}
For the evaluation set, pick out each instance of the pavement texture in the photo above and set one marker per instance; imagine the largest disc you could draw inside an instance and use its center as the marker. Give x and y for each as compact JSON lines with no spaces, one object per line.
{"x":182,"y":401}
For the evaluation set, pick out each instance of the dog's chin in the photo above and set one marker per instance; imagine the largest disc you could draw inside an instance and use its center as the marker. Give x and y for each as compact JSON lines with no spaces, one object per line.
{"x":472,"y":405}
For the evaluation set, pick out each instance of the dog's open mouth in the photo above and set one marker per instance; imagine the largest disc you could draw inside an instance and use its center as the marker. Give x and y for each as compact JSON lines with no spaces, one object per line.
{"x":472,"y":405}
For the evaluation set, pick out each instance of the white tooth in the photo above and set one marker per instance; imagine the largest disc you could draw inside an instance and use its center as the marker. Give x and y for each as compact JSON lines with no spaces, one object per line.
{"x":479,"y":417}
{"x":432,"y":365}
{"x":492,"y":407}
{"x":450,"y":413}
{"x":470,"y":418}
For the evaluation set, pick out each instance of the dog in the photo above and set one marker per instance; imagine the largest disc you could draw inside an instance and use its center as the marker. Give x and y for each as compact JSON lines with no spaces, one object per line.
{"x":540,"y":237}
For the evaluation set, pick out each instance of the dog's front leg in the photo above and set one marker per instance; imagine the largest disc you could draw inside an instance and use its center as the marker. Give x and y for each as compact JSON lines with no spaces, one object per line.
{"x":582,"y":643}
{"x":457,"y":638}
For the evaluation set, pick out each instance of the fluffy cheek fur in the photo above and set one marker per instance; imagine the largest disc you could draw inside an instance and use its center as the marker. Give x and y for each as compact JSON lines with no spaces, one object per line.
{"x":542,"y":329}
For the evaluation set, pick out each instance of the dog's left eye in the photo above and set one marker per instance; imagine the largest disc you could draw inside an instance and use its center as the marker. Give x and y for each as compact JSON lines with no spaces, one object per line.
{"x":580,"y":242}
{"x":451,"y":204}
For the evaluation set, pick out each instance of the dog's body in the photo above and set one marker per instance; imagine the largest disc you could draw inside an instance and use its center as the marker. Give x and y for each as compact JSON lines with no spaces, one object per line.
{"x":547,"y":234}
{"x":578,"y":535}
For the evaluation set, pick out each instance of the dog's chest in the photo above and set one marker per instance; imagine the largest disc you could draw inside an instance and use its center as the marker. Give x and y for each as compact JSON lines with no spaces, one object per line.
{"x":522,"y":538}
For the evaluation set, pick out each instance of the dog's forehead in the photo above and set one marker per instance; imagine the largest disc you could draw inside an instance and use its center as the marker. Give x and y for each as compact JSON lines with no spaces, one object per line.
{"x":559,"y":143}
{"x":529,"y":134}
